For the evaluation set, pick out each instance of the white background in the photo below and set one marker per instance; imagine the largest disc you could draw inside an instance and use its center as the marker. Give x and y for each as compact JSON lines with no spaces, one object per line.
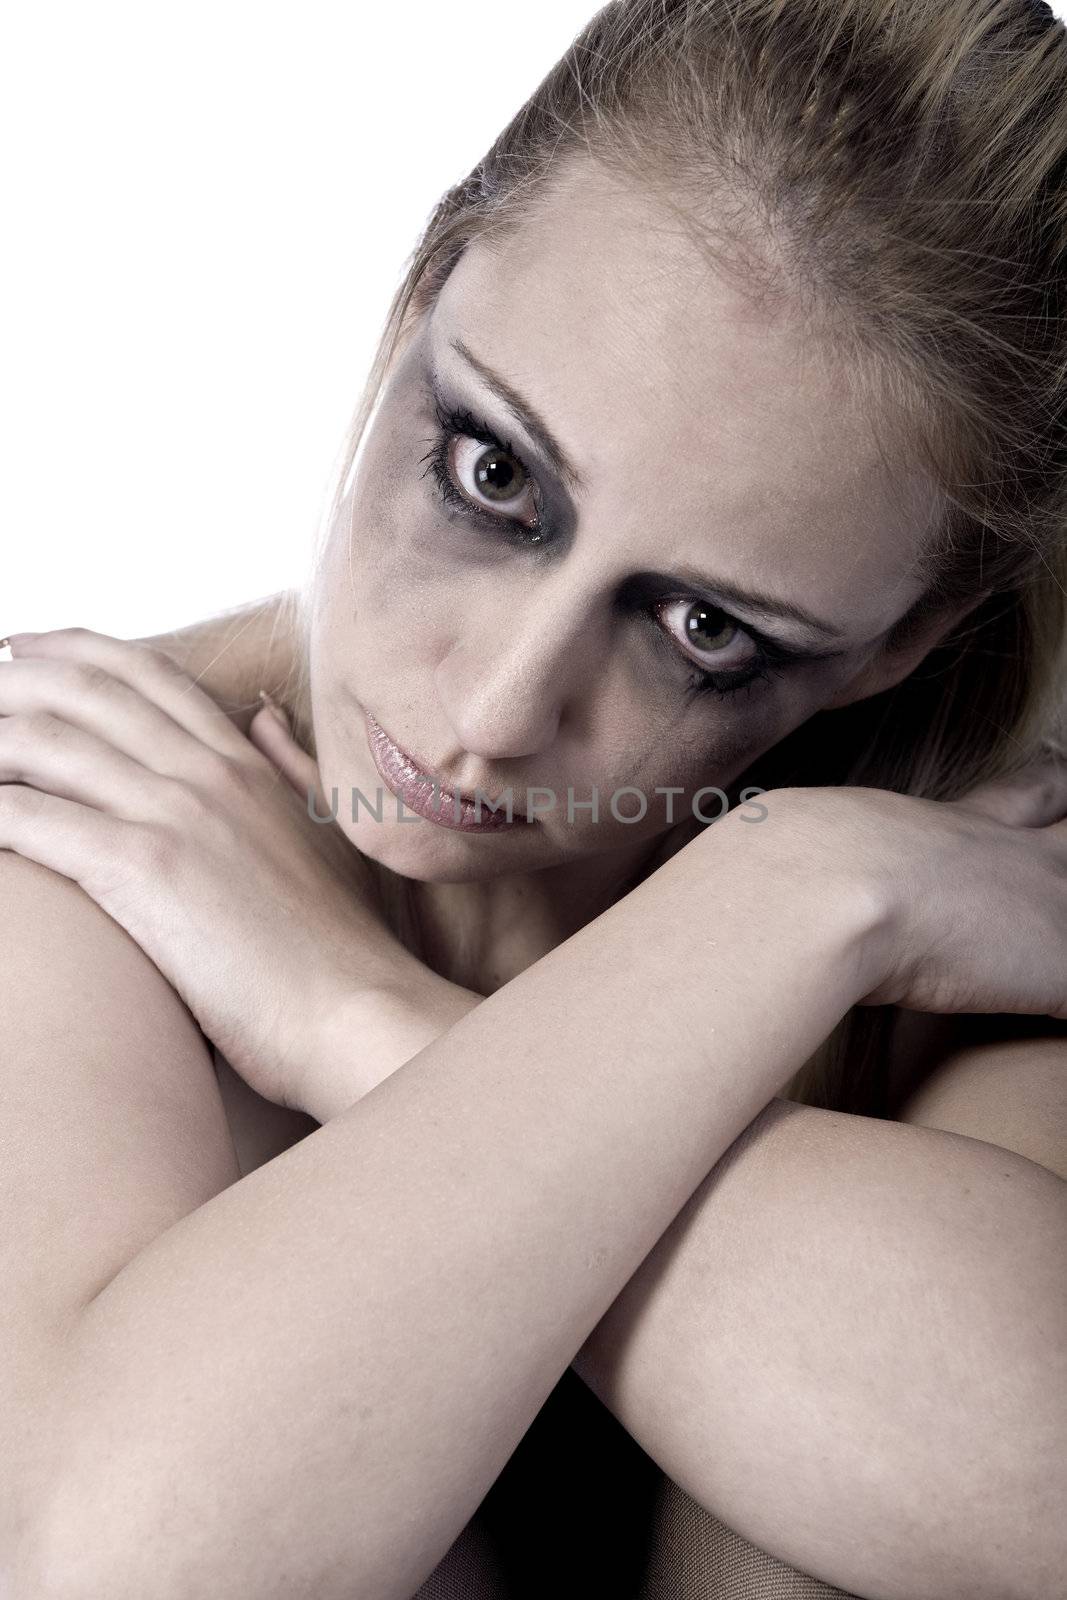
{"x":206,"y":209}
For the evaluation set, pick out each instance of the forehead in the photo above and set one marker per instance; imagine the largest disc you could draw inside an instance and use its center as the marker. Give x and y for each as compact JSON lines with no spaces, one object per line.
{"x":710,"y":433}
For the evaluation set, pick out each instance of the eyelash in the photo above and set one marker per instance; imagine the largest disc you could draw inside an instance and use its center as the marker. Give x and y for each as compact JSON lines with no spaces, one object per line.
{"x":461,"y":424}
{"x":455,"y":423}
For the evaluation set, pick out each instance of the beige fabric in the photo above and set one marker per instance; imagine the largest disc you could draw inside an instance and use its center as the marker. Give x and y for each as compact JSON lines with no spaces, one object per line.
{"x":581,"y":1510}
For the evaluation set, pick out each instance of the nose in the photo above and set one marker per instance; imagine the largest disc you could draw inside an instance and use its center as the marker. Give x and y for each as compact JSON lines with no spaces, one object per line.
{"x":514,"y":671}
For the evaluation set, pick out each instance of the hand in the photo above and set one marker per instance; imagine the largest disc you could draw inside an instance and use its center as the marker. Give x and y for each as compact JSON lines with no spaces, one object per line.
{"x":973,"y":892}
{"x":236,"y":652}
{"x":117,"y":770}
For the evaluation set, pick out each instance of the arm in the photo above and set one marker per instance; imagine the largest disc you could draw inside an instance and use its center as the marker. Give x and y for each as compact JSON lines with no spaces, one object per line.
{"x":851,"y":1346}
{"x":1002,"y":1080}
{"x":112,"y":1129}
{"x":321,"y":1369}
{"x":793,"y":1275}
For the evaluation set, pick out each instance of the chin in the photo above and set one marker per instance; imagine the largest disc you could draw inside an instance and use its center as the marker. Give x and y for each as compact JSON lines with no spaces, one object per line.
{"x":423,"y":850}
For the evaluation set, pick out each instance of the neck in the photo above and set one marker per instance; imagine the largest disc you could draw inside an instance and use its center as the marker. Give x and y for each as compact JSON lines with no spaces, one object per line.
{"x":481,"y":935}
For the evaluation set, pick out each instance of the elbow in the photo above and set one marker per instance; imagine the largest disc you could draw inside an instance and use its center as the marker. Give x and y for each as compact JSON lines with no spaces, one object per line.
{"x":65,"y":1573}
{"x":1023,"y":1532}
{"x":88,"y":1558}
{"x":1043,"y":1527}
{"x":1043,"y":1468}
{"x":1009,"y":1472}
{"x":1017,"y":1548}
{"x":48,"y":1569}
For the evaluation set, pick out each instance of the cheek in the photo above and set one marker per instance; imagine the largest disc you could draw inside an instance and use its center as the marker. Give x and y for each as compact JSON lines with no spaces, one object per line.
{"x":747,"y":732}
{"x":384,"y":580}
{"x":716,"y":740}
{"x":698,"y":748}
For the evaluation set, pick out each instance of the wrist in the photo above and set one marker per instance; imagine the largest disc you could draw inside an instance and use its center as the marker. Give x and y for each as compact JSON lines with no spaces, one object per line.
{"x":810,"y":858}
{"x":365,"y":1033}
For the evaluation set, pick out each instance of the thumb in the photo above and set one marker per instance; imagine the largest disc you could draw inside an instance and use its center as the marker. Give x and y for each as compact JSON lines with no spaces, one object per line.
{"x":270,"y":732}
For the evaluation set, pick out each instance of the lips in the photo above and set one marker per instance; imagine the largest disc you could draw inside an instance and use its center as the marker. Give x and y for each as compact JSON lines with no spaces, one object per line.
{"x":415,"y":784}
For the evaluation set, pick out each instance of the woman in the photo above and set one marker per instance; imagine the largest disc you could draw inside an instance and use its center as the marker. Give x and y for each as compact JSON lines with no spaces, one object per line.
{"x":715,"y":442}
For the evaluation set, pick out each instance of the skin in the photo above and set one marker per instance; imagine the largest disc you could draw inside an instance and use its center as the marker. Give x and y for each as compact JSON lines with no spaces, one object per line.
{"x":126,"y":1478}
{"x":498,"y":665}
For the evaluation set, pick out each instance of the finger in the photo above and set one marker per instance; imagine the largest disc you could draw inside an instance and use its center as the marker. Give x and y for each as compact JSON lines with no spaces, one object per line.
{"x":87,"y":696}
{"x":50,"y":754}
{"x":151,"y":672}
{"x":80,"y":843}
{"x":1033,"y":797}
{"x":272,"y":736}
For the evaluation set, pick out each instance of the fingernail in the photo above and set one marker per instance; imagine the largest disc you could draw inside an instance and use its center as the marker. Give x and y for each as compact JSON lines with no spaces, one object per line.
{"x":273,"y":706}
{"x":18,"y":638}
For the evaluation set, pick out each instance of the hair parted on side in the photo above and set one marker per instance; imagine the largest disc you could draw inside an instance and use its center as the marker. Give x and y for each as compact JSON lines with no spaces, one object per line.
{"x":893,"y":173}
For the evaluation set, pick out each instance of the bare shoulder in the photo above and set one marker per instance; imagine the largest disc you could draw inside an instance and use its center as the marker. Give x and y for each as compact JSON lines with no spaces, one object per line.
{"x":113,"y":1123}
{"x":113,"y":1131}
{"x":1001,"y":1079}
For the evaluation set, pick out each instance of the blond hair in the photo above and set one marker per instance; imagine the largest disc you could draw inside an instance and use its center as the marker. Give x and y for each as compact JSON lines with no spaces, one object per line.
{"x":895,"y":172}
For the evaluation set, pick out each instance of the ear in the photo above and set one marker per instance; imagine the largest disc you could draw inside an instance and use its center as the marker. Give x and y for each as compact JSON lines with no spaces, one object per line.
{"x":891,"y":664}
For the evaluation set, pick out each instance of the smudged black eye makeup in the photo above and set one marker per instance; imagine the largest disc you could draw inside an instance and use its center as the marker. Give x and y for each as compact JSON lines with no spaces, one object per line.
{"x":496,"y":471}
{"x":474,"y":469}
{"x":696,"y":621}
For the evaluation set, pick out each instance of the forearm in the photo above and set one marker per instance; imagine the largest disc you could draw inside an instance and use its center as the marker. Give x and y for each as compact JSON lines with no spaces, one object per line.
{"x":789,"y":1278}
{"x":323,"y":1369}
{"x":379,"y":1029}
{"x":849,"y":1346}
{"x":777,"y":1293}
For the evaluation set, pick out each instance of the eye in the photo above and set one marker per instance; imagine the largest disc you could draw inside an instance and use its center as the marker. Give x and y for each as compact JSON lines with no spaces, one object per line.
{"x":483,"y":477}
{"x":711,"y":638}
{"x":492,"y":477}
{"x":484,"y":480}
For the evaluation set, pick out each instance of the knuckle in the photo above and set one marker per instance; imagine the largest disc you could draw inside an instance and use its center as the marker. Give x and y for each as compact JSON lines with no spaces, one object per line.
{"x":159,"y":661}
{"x":1050,"y":796}
{"x":1011,"y":808}
{"x":227,"y":774}
{"x":154,"y":847}
{"x":75,"y":635}
{"x":92,"y":679}
{"x":201,"y":805}
{"x":23,"y":729}
{"x":184,"y":802}
{"x":1045,"y":800}
{"x":21,"y":800}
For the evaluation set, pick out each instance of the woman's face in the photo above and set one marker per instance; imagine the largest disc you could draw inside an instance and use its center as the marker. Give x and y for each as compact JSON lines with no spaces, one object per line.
{"x":609,"y":528}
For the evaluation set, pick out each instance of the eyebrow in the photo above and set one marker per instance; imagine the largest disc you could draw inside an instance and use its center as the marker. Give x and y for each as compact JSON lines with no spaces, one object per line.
{"x":531,"y":419}
{"x":537,"y":427}
{"x":753,"y":600}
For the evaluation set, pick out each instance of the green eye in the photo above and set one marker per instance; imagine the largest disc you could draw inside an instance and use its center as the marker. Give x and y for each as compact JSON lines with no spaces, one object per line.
{"x":497,"y":472}
{"x":704,"y":630}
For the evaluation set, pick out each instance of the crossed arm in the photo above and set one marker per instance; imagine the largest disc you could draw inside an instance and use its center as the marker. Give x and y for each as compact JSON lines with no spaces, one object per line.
{"x":828,"y":1346}
{"x":840,"y":1343}
{"x":845,"y":1337}
{"x":824,"y":1347}
{"x":842,"y":1336}
{"x":839,"y":1346}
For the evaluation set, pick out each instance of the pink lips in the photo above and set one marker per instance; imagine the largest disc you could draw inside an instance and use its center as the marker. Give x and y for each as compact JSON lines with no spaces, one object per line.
{"x":416,"y":789}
